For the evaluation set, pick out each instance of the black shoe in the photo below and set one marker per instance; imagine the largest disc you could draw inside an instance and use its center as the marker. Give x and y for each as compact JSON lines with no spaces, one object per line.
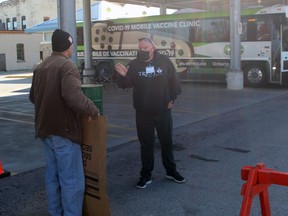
{"x":176,"y":177}
{"x":143,"y":182}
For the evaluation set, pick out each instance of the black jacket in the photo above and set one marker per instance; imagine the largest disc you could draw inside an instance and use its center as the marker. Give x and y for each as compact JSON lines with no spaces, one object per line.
{"x":154,"y":83}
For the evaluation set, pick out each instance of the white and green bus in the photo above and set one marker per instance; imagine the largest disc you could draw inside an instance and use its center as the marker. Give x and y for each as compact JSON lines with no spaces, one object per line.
{"x":198,"y":44}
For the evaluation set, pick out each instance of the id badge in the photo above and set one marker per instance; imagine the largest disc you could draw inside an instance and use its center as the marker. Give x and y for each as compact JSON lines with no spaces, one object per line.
{"x":150,"y":69}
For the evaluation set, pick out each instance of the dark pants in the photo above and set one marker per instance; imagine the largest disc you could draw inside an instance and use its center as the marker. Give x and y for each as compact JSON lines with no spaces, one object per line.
{"x":146,"y":124}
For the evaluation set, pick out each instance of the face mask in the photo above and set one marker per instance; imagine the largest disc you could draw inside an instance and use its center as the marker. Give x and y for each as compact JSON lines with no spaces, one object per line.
{"x":143,"y":55}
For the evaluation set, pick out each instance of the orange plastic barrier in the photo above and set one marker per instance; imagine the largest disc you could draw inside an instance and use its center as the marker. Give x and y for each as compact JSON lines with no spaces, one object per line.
{"x":1,"y":168}
{"x":258,"y":180}
{"x":3,"y":173}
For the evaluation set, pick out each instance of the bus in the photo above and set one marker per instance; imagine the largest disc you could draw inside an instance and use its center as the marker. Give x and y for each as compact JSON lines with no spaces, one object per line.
{"x":198,"y":44}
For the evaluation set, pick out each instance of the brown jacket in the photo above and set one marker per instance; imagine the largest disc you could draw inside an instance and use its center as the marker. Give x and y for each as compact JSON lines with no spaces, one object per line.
{"x":58,"y":100}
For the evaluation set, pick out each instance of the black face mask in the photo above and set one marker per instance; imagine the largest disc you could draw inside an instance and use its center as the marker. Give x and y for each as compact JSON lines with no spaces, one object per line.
{"x":143,"y":55}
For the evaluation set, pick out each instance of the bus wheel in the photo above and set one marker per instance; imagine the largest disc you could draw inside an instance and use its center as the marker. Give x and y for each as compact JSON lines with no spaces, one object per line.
{"x":254,"y":76}
{"x":104,"y":72}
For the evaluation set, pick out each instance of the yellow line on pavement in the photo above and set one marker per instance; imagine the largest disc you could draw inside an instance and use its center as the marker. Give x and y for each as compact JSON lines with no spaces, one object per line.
{"x":118,"y":126}
{"x":19,"y":76}
{"x":14,"y":120}
{"x":194,"y":112}
{"x":17,"y":113}
{"x":123,"y":136}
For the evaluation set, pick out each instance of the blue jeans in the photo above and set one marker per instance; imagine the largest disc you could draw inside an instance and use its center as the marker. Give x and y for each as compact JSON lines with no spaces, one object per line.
{"x":65,"y":181}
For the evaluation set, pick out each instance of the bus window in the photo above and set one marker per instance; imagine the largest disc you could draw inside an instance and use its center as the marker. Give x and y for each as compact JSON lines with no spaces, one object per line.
{"x":263,"y":31}
{"x":285,"y":40}
{"x":251,"y":30}
{"x":213,"y":30}
{"x":192,"y":34}
{"x":80,"y":37}
{"x":256,"y":30}
{"x":244,"y":31}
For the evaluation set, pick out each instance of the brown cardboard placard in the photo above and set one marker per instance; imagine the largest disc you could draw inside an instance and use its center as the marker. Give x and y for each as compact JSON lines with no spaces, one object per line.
{"x":96,"y":201}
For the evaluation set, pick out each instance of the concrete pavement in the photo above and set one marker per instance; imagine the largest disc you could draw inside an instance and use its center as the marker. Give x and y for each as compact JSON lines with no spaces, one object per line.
{"x":217,"y":131}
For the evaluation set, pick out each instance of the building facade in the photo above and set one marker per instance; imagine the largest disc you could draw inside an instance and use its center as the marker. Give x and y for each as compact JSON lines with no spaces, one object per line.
{"x":20,"y":50}
{"x":21,"y":14}
{"x":17,"y":16}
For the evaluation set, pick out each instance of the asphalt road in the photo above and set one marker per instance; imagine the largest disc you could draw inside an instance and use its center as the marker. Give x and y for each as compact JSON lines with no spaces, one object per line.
{"x":217,"y":132}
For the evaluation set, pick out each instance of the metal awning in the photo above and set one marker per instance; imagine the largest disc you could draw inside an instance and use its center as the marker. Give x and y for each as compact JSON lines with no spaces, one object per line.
{"x":52,"y":24}
{"x":200,"y":4}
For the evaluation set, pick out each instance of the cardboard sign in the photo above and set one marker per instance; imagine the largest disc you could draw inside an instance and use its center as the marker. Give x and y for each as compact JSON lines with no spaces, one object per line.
{"x":96,"y":201}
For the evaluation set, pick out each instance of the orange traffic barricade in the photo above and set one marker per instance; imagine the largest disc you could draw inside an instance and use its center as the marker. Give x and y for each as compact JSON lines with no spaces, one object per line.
{"x":3,"y":173}
{"x":258,"y":179}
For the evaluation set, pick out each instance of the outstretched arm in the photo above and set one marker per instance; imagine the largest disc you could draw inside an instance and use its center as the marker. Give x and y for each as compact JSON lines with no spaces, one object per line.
{"x":121,"y":69}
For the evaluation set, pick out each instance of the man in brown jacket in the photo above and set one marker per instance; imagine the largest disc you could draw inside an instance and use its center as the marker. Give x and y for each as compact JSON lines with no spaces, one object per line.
{"x":59,"y":104}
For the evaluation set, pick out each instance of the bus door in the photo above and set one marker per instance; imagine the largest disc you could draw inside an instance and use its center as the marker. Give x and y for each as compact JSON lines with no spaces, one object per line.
{"x":284,"y":54}
{"x":284,"y":49}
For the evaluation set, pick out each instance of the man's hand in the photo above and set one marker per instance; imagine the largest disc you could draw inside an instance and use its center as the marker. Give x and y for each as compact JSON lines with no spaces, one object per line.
{"x":121,"y":69}
{"x":90,"y":118}
{"x":170,"y":104}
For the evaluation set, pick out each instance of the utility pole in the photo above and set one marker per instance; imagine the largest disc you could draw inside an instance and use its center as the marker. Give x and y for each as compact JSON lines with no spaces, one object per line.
{"x":88,"y":71}
{"x":67,"y":22}
{"x":235,"y":75}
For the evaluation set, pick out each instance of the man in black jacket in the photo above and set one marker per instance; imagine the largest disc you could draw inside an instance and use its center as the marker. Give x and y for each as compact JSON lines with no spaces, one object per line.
{"x":155,"y":87}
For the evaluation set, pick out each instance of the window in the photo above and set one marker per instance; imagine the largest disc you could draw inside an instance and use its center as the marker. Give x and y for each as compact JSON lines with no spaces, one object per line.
{"x":47,"y":36}
{"x":256,"y":29}
{"x":20,"y":52}
{"x":2,"y":25}
{"x":213,"y":30}
{"x":14,"y":21}
{"x":23,"y":22}
{"x":8,"y":24}
{"x":80,"y":36}
{"x":264,"y":30}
